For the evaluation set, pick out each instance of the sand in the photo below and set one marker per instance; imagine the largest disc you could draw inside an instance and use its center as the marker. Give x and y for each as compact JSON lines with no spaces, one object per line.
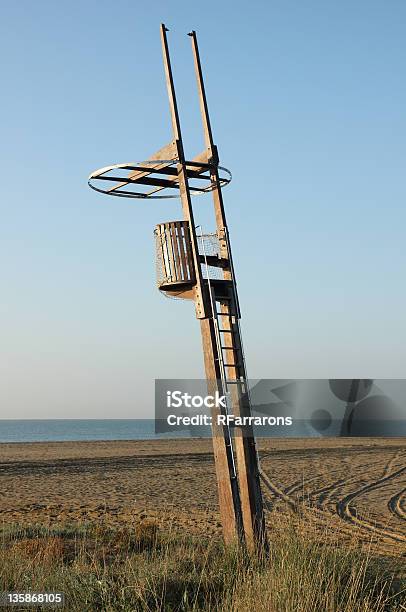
{"x":353,"y":489}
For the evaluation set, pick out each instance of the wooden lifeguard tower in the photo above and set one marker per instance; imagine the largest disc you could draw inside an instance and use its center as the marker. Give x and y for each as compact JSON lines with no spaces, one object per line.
{"x":199,"y":267}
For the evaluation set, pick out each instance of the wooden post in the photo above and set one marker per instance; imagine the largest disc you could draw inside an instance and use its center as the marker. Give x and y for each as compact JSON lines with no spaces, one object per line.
{"x":228,"y":493}
{"x":236,"y":377}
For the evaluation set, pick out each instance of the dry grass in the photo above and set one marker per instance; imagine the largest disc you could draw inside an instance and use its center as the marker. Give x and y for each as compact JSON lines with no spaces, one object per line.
{"x":143,"y":569}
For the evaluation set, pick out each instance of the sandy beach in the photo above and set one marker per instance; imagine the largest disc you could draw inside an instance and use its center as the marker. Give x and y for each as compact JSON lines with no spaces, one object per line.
{"x":355,"y":488}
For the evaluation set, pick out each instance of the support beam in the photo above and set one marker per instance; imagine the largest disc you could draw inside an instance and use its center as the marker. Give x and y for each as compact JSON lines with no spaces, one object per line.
{"x":227,"y":485}
{"x":245,"y":448}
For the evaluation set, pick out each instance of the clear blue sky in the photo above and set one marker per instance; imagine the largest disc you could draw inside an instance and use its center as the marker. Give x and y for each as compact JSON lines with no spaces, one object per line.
{"x":308,"y":98}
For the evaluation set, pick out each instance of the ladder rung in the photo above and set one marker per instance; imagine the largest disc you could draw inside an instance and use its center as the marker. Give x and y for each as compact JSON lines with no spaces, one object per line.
{"x":229,"y":365}
{"x":228,"y":331}
{"x":230,"y":348}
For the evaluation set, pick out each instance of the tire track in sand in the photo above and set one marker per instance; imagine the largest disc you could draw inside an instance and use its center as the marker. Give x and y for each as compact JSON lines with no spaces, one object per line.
{"x":395,"y":504}
{"x":348,"y":512}
{"x":389,"y":466}
{"x":342,"y":507}
{"x":277,"y":491}
{"x":297,"y":507}
{"x":326,"y":493}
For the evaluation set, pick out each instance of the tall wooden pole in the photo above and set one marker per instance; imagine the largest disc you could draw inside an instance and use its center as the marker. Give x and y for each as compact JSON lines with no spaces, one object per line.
{"x":236,"y":377}
{"x":229,"y":502}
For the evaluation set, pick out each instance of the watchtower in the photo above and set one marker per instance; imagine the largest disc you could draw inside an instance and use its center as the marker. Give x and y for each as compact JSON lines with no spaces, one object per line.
{"x":199,"y":267}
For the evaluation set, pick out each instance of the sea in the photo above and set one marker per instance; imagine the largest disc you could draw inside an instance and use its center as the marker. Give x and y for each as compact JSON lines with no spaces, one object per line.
{"x":54,"y":430}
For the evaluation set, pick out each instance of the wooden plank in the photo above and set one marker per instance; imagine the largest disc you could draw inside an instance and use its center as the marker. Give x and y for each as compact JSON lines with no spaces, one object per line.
{"x":185,"y":294}
{"x":182,"y":250}
{"x":164,"y":251}
{"x":170,"y":251}
{"x":163,"y":183}
{"x":192,"y":272}
{"x":144,"y":180}
{"x":167,"y":152}
{"x":169,"y":171}
{"x":176,"y":254}
{"x":201,"y":158}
